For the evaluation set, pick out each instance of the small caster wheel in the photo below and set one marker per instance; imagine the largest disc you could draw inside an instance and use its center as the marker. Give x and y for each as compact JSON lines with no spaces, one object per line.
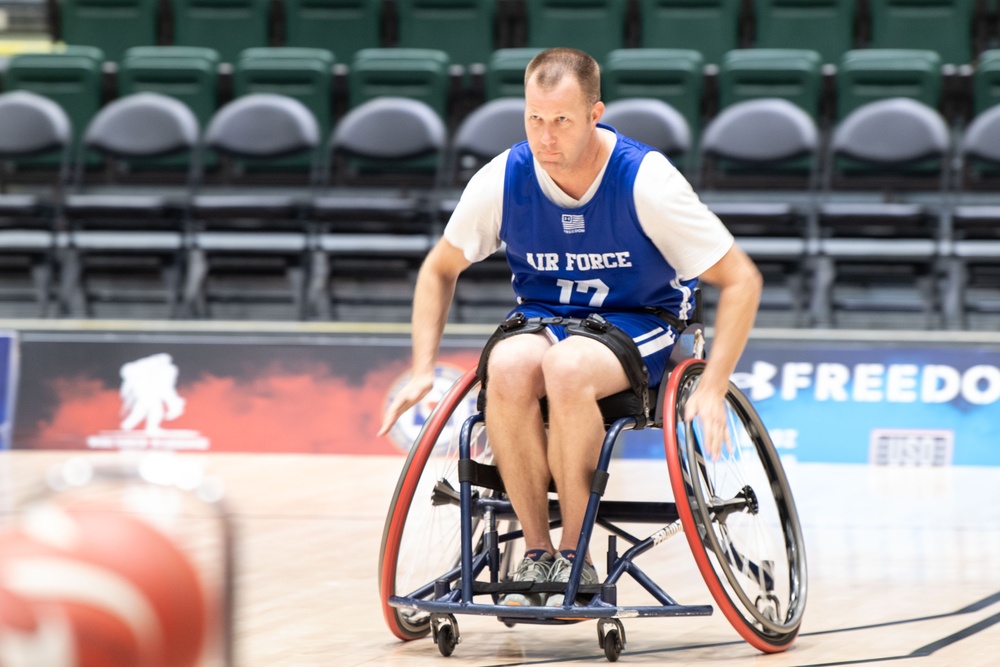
{"x":446,"y":640}
{"x":612,"y":645}
{"x":611,"y":637}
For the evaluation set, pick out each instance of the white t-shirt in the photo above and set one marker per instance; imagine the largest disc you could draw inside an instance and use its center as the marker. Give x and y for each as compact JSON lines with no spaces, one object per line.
{"x":691,"y":237}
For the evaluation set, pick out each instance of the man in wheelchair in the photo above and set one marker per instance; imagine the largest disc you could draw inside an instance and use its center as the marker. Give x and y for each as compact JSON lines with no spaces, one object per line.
{"x":602,"y":230}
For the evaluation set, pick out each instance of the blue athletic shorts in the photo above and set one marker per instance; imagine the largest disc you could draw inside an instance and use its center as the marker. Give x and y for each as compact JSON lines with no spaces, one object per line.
{"x":654,"y":337}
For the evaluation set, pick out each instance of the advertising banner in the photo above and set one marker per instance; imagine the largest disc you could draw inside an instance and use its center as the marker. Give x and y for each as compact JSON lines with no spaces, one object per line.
{"x":864,"y":403}
{"x":226,"y":393}
{"x":882,"y":405}
{"x":821,"y":401}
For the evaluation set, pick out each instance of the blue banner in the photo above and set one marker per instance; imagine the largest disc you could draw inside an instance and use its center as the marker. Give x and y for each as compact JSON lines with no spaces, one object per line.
{"x":853,"y":403}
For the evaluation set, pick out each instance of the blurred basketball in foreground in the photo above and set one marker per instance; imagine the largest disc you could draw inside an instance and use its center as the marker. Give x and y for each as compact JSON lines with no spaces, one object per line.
{"x":91,"y":586}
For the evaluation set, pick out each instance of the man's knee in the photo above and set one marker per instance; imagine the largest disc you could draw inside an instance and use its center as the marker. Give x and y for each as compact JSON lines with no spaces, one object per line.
{"x":515,"y":364}
{"x":574,"y":366}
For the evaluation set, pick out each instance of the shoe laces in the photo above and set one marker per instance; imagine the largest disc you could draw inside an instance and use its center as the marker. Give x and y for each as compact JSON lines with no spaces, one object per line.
{"x":532,"y":570}
{"x":562,"y":568}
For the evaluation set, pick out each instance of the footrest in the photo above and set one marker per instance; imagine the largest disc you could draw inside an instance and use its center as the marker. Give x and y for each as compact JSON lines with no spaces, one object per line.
{"x":483,"y":587}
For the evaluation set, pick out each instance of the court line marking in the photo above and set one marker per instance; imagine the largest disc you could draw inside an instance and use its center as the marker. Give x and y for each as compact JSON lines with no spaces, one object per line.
{"x":922,"y":652}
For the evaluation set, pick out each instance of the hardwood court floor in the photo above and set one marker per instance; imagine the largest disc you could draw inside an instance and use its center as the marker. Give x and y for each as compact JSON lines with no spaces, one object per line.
{"x":903,"y":568}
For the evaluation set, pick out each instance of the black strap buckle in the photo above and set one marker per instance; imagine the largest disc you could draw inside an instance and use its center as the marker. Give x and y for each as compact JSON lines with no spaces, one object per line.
{"x":515,"y":321}
{"x":595,"y":322}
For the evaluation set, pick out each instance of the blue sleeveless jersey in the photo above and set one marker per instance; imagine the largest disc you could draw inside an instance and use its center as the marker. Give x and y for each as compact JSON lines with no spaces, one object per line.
{"x":595,"y":258}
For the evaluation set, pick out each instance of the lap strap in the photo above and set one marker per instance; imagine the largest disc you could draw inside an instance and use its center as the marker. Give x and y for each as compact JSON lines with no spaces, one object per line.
{"x":594,"y":327}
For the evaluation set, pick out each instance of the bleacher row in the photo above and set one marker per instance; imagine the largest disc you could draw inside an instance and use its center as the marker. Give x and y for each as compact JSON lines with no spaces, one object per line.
{"x":471,"y":34}
{"x":470,"y":30}
{"x":893,"y":211}
{"x":77,"y":80}
{"x":895,"y":220}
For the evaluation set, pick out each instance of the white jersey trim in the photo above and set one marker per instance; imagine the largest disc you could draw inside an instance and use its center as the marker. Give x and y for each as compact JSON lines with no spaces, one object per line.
{"x":690,"y":237}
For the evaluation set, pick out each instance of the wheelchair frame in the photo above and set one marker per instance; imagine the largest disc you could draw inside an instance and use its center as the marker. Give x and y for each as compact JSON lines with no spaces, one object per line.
{"x":453,"y":592}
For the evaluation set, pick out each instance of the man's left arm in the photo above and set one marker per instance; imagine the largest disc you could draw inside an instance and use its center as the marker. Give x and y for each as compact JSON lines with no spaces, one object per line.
{"x":739,"y":284}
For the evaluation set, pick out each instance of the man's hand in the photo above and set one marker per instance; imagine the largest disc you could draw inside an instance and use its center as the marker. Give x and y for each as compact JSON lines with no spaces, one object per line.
{"x":709,"y":404}
{"x":411,"y":393}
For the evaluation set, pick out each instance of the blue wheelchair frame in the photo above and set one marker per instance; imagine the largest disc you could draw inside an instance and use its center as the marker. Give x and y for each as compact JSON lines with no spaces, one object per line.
{"x":448,"y":599}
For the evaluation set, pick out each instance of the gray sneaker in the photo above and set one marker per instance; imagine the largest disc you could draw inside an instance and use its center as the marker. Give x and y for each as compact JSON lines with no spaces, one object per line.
{"x":536,"y":571}
{"x":560,"y":572}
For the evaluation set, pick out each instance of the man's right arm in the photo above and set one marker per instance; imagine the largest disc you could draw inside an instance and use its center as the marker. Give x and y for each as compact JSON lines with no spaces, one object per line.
{"x":432,"y":298}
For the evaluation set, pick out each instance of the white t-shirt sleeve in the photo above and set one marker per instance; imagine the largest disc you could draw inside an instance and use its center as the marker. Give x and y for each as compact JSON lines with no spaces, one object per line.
{"x":474,"y":227}
{"x":690,"y":236}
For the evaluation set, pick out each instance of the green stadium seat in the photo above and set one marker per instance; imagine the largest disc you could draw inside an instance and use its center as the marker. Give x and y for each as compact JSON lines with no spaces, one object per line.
{"x":944,"y":26}
{"x":826,"y":26}
{"x":882,"y":256}
{"x":505,"y":72}
{"x":249,"y":237}
{"x":305,"y":74}
{"x":228,"y":26}
{"x":975,"y":226}
{"x":187,"y":73}
{"x":300,"y":73}
{"x":986,"y":81}
{"x":110,"y":25}
{"x":370,"y":244}
{"x":123,"y":246}
{"x":342,"y":26}
{"x":29,"y":125}
{"x":790,"y":74}
{"x":71,"y":79}
{"x":462,"y":28}
{"x":675,"y":76}
{"x":709,"y":26}
{"x":766,"y":143}
{"x":594,"y":26}
{"x":980,"y":152}
{"x":867,"y":75}
{"x":420,"y":74}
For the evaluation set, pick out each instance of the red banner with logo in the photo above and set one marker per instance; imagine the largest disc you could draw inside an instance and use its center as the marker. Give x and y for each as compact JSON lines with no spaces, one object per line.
{"x":219,"y":394}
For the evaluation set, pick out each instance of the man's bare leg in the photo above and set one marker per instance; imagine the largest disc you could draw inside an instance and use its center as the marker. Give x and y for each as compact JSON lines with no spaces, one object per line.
{"x":517,"y":433}
{"x":577,"y":371}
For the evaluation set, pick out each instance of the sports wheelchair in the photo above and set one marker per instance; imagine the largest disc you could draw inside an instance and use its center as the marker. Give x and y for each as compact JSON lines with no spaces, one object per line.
{"x":451,"y":536}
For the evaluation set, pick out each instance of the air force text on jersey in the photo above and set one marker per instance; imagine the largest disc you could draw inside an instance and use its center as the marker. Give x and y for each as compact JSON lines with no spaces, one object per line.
{"x":584,"y":261}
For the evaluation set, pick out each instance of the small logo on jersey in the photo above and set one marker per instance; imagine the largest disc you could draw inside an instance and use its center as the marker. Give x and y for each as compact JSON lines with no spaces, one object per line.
{"x":573,"y":224}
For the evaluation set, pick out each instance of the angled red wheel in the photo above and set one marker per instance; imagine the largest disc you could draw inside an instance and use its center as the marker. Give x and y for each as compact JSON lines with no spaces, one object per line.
{"x":422,"y":536}
{"x":738,"y":515}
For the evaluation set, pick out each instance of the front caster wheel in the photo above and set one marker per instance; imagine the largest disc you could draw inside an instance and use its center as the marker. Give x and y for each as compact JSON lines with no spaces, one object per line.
{"x":446,"y":640}
{"x":445,"y":629}
{"x":612,"y":646}
{"x":611,"y":639}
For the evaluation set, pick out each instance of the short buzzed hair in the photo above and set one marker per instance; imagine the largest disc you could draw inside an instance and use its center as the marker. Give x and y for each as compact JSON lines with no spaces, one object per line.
{"x":552,"y":64}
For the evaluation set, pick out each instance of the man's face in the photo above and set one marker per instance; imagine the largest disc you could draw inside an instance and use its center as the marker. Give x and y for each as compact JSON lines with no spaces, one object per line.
{"x":559,"y":122}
